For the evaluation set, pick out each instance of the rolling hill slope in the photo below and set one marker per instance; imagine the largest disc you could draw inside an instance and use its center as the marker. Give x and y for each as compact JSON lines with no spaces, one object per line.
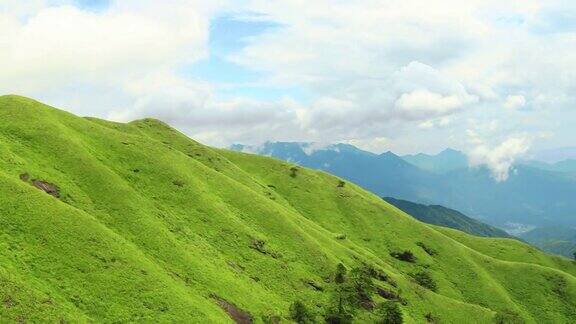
{"x":530,"y":197}
{"x":102,"y":222}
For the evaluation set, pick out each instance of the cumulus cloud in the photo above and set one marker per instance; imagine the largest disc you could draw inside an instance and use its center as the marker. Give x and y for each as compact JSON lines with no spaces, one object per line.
{"x":375,"y":73}
{"x":428,"y":104}
{"x":499,"y":158}
{"x":67,"y":43}
{"x":64,"y":54}
{"x":193,"y":107}
{"x":382,"y":65}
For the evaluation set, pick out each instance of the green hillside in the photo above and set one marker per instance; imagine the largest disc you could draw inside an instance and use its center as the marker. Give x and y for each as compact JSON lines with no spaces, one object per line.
{"x":442,"y":216}
{"x":108,"y":222}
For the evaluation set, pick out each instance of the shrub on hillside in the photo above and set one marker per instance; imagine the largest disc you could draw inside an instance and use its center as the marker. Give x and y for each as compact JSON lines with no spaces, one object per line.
{"x":293,"y":172}
{"x":431,"y":318}
{"x":508,"y":317}
{"x":341,"y":236}
{"x":300,"y":314}
{"x":427,"y":249}
{"x":271,"y":319}
{"x":338,"y":316}
{"x":407,"y":256}
{"x":341,"y":306}
{"x":340,"y":275}
{"x":362,"y":287}
{"x":389,"y":313}
{"x":425,"y":280}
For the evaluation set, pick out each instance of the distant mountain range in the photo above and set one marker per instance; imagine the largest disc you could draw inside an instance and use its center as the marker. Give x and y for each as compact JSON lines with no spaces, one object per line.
{"x":536,"y":194}
{"x":556,"y":155}
{"x":442,"y":216}
{"x":554,"y":239}
{"x":565,"y":166}
{"x":443,"y":162}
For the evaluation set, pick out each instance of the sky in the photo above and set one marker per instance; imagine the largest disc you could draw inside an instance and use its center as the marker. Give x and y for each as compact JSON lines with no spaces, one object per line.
{"x":495,"y":79}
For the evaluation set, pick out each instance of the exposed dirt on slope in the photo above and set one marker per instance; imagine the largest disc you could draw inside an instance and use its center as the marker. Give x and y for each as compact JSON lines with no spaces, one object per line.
{"x":239,"y":316}
{"x":47,"y":187}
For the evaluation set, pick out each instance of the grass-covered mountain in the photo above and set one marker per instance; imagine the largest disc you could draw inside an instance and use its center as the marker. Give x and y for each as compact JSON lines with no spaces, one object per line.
{"x":385,"y":174}
{"x":109,"y":222}
{"x":442,"y":216}
{"x":531,"y":195}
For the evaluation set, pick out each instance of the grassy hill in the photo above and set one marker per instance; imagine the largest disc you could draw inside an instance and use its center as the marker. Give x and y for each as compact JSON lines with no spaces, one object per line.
{"x":103,"y":222}
{"x":442,"y":216}
{"x":530,"y":197}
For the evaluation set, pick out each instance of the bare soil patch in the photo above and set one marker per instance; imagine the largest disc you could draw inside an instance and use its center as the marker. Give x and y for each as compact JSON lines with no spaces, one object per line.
{"x":239,"y":316}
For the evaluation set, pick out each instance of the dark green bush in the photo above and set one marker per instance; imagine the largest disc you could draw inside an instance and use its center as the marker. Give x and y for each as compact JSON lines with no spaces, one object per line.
{"x":362,"y":287}
{"x":425,"y":280}
{"x":340,"y":275}
{"x":341,"y":236}
{"x":407,"y":256}
{"x":300,"y":314}
{"x":432,"y":319}
{"x":508,"y":317}
{"x":336,"y":316}
{"x":389,"y":313}
{"x":293,"y":172}
{"x":427,"y":249}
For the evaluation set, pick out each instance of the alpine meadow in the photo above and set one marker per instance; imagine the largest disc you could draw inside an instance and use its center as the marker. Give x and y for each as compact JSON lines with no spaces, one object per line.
{"x":111,"y":222}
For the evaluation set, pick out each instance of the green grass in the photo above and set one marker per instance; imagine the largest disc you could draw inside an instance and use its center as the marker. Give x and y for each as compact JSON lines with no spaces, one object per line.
{"x":151,"y":225}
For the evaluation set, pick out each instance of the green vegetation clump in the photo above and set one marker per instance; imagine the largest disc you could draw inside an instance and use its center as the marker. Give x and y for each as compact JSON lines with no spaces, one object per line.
{"x":406,"y":255}
{"x":293,"y":172}
{"x":508,"y":317}
{"x":300,"y":314}
{"x":424,"y":279}
{"x":120,"y":245}
{"x":430,"y":251}
{"x":389,"y":313}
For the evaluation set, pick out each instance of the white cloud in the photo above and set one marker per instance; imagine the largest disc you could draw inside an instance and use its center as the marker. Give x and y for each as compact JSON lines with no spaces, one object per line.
{"x":68,"y":43}
{"x":375,"y":145}
{"x":387,"y":66}
{"x":499,"y":158}
{"x":436,"y":123}
{"x":428,"y":104}
{"x":65,"y":54}
{"x":394,"y":70}
{"x":515,"y":102}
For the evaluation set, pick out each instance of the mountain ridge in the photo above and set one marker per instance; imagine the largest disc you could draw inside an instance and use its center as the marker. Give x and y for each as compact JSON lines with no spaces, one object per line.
{"x":531,"y":196}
